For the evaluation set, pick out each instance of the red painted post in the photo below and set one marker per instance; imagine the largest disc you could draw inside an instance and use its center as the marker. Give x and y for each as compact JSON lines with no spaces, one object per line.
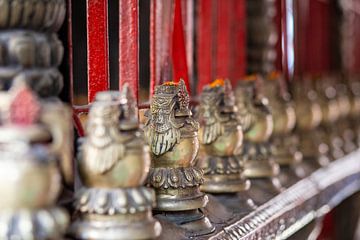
{"x":301,"y":26}
{"x":223,"y":58}
{"x":129,"y":45}
{"x":238,"y":44}
{"x":188,"y":23}
{"x":204,"y":43}
{"x":97,"y":47}
{"x":160,"y":31}
{"x":318,"y":38}
{"x":279,"y":22}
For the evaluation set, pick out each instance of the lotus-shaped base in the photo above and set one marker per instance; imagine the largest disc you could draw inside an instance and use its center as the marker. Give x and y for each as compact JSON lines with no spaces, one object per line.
{"x":39,"y":224}
{"x":115,"y":214}
{"x":223,"y":175}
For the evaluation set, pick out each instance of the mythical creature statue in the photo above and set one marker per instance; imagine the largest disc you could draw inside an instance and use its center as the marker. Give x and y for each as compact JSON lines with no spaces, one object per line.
{"x":221,"y":137}
{"x":283,"y":143}
{"x":259,"y":164}
{"x":113,"y":166}
{"x":258,"y":127}
{"x":172,"y":135}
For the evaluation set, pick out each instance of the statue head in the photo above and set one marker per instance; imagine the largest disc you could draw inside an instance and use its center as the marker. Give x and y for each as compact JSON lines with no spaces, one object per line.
{"x":168,"y":114}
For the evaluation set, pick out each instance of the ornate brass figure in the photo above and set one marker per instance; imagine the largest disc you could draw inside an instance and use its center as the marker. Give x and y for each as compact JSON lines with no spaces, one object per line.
{"x":353,"y":83}
{"x":283,"y":142}
{"x":328,"y":101}
{"x":308,"y":117}
{"x":221,"y":137}
{"x":30,"y":177}
{"x":172,"y":135}
{"x":257,"y":124}
{"x":113,"y":165}
{"x":344,"y":128}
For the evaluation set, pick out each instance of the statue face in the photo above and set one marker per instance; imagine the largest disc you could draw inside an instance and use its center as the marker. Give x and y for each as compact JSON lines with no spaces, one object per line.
{"x":103,"y":123}
{"x":210,"y":102}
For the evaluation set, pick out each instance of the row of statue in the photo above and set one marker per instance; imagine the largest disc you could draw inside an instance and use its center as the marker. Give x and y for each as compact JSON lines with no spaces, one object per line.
{"x":183,"y":172}
{"x":233,"y":152}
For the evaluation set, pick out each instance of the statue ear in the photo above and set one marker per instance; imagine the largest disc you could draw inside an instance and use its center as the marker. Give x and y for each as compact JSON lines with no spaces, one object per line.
{"x":183,"y":95}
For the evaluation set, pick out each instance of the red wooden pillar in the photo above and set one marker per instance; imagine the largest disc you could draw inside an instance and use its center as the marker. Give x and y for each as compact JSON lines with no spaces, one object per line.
{"x":223,"y":57}
{"x":301,"y":44}
{"x":129,"y":45}
{"x":318,"y":38}
{"x":160,"y":30}
{"x":238,"y":43}
{"x":204,"y":42}
{"x":97,"y":47}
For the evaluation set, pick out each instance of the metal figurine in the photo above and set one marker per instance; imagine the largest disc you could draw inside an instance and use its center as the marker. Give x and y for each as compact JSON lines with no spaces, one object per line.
{"x":220,"y":136}
{"x":113,"y":165}
{"x":329,"y":104}
{"x":308,"y":118}
{"x":29,"y":173}
{"x":172,"y":135}
{"x":283,"y":143}
{"x":344,"y":128}
{"x":353,"y":83}
{"x":257,"y":124}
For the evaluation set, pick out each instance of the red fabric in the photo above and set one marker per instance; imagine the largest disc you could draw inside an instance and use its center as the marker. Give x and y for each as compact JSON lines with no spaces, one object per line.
{"x":179,"y":60}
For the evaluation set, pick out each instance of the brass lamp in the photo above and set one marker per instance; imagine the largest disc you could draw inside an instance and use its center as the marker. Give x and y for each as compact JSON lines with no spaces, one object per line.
{"x":171,"y":133}
{"x":113,"y":165}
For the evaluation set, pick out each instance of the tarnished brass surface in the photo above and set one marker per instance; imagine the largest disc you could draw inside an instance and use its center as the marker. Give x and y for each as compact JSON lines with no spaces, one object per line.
{"x":171,"y":133}
{"x":221,"y":137}
{"x":113,"y":164}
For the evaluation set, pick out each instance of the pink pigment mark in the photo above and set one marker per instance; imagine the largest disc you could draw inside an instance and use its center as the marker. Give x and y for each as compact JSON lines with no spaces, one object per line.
{"x":25,"y":108}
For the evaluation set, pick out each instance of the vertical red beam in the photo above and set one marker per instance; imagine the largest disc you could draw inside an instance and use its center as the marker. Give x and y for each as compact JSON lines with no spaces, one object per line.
{"x":160,"y":22}
{"x":129,"y":45}
{"x":204,"y":43}
{"x":238,"y":44}
{"x":223,"y":55}
{"x":97,"y":47}
{"x":318,"y":38}
{"x":301,"y":44}
{"x":188,"y":22}
{"x":278,"y":22}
